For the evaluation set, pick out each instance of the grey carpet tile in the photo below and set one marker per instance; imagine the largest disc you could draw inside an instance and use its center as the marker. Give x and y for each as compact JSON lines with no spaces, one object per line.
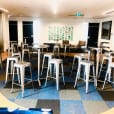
{"x":95,"y":107}
{"x":8,"y":94}
{"x":68,"y":85}
{"x":52,"y":104}
{"x":27,"y":103}
{"x":107,"y":95}
{"x":69,"y":95}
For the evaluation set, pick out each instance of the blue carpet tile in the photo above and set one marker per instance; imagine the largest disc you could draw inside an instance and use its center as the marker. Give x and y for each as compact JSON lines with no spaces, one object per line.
{"x":71,"y":107}
{"x":110,"y":104}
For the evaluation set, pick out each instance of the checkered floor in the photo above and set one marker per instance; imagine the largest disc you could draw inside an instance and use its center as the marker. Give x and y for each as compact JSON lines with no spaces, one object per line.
{"x":65,"y":101}
{"x":68,"y":100}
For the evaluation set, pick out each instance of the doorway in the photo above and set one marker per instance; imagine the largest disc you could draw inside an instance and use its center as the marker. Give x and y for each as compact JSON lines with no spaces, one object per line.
{"x":93,"y":32}
{"x":28,"y":32}
{"x":13,"y":32}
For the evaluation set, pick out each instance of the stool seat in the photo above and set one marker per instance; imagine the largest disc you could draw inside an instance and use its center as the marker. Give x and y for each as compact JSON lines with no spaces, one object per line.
{"x":22,"y":63}
{"x":48,"y":54}
{"x":56,"y":61}
{"x":86,"y":62}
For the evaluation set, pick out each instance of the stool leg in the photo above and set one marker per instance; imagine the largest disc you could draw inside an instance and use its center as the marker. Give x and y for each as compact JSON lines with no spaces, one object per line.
{"x":20,"y":57}
{"x":7,"y":65}
{"x":43,"y":65}
{"x":22,"y":80}
{"x":100,"y":68}
{"x":22,"y":54}
{"x":18,"y":73}
{"x":72,"y":65}
{"x":13,"y":80}
{"x":28,"y":55}
{"x":95,"y":78}
{"x":77,"y":75}
{"x":76,"y":81}
{"x":12,"y":63}
{"x":49,"y":65}
{"x":78,"y":71}
{"x":63,"y":73}
{"x":87,"y":69}
{"x":57,"y":77}
{"x":109,"y":76}
{"x":31,"y":76}
{"x":106,"y":76}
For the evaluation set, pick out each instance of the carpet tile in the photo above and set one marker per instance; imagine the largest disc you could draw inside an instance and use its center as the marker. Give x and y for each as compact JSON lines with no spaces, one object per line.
{"x":10,"y":95}
{"x":110,"y":104}
{"x":51,"y":104}
{"x":27,"y":103}
{"x":95,"y":107}
{"x":69,"y":95}
{"x":71,"y":107}
{"x":91,"y":95}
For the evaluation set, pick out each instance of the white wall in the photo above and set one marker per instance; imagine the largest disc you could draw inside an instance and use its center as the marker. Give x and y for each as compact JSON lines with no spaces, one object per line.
{"x":4,"y":31}
{"x":80,"y":28}
{"x":40,"y":28}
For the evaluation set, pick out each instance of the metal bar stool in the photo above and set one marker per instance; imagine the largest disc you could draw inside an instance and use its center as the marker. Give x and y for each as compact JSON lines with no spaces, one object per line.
{"x":56,"y":51}
{"x":56,"y":63}
{"x":87,"y":65}
{"x":82,"y":56}
{"x":108,"y":72}
{"x":48,"y":56}
{"x":20,"y":67}
{"x":25,"y":51}
{"x":106,"y":57}
{"x":10,"y":65}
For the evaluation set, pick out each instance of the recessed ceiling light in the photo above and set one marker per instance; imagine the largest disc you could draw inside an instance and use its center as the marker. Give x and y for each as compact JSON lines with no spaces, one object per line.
{"x":108,"y":12}
{"x":4,"y":10}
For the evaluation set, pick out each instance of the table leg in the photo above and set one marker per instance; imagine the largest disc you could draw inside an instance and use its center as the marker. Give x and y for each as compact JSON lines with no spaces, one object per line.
{"x":39,"y":67}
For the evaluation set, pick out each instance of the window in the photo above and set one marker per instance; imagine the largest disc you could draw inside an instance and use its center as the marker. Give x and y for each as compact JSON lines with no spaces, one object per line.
{"x":28,"y":32}
{"x":13,"y":34}
{"x":106,"y":30}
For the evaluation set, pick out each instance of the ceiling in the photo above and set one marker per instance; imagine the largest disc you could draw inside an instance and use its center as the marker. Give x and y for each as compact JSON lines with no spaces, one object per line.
{"x":58,"y":8}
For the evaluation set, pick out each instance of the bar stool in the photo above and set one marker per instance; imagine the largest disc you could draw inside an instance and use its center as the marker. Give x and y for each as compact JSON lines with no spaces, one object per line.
{"x":56,"y":63}
{"x":80,"y":57}
{"x":87,"y":65}
{"x":56,"y":51}
{"x":106,"y":57}
{"x":17,"y":54}
{"x":108,"y":72}
{"x":48,"y":56}
{"x":20,"y":68}
{"x":25,"y":51}
{"x":10,"y":64}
